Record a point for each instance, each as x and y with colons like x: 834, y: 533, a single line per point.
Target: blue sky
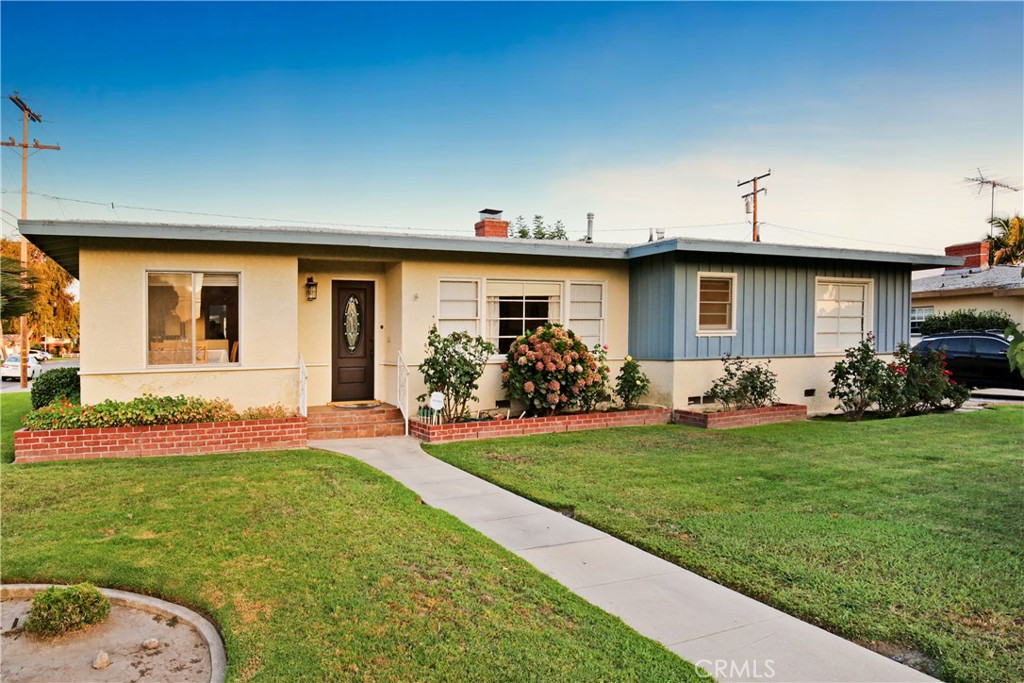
x: 417, y: 115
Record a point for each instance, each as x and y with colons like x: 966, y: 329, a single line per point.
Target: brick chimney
x: 491, y: 225
x: 975, y: 254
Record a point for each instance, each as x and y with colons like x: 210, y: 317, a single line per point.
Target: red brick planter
x: 730, y: 419
x: 183, y: 439
x: 491, y: 429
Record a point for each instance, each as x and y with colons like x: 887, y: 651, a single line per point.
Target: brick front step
x: 181, y: 439
x: 336, y: 417
x: 491, y: 429
x: 732, y: 419
x: 357, y: 431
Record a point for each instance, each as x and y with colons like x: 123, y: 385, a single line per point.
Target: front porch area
x: 344, y: 422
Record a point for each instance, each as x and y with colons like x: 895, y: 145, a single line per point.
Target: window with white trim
x: 841, y: 314
x: 192, y: 318
x: 459, y: 307
x: 586, y: 311
x: 513, y: 307
x: 716, y: 303
x: 917, y: 316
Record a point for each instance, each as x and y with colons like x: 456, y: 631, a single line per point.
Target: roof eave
x: 916, y: 261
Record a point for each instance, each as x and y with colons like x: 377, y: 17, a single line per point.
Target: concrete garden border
x: 42, y: 445
x: 206, y: 630
x: 492, y: 429
x: 731, y: 419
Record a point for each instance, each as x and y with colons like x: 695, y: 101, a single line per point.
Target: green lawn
x: 314, y: 567
x: 906, y: 532
x: 12, y: 407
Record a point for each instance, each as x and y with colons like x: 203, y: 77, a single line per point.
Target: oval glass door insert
x: 352, y: 322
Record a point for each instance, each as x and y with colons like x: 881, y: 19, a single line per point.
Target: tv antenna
x: 981, y: 181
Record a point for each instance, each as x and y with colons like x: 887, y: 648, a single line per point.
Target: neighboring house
x: 231, y: 312
x: 974, y: 284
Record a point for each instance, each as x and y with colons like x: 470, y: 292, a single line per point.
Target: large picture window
x: 515, y: 307
x: 192, y: 318
x: 716, y: 306
x: 842, y: 309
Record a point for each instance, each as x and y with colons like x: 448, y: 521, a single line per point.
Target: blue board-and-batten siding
x: 775, y: 305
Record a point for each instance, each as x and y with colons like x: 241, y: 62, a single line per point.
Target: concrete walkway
x: 734, y: 637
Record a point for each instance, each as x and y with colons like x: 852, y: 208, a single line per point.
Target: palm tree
x: 1008, y: 246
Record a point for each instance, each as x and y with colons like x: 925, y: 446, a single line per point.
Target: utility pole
x: 27, y: 114
x: 751, y: 198
x: 982, y: 181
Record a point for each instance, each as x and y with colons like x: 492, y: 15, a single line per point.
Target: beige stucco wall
x: 673, y: 382
x: 420, y: 304
x: 1012, y: 305
x: 113, y: 327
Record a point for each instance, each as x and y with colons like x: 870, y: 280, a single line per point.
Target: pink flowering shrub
x: 551, y: 370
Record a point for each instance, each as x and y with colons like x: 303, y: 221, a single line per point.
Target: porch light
x: 310, y: 289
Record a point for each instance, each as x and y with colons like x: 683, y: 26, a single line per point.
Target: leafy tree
x: 55, y: 310
x: 538, y: 230
x: 15, y: 299
x: 1007, y: 248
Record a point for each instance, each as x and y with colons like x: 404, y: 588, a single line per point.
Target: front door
x: 352, y: 345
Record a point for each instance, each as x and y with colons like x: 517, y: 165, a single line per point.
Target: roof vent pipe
x: 660, y: 232
x: 590, y: 227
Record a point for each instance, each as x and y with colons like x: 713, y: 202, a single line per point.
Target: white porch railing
x: 403, y: 389
x: 303, y: 377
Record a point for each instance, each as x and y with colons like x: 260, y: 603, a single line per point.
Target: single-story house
x: 306, y: 316
x: 972, y: 284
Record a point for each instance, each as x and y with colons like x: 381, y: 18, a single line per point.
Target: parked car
x: 976, y: 359
x: 40, y: 354
x: 11, y: 369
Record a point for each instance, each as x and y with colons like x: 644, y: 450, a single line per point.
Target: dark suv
x: 977, y: 359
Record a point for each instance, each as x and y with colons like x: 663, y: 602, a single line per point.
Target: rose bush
x: 552, y: 370
x: 631, y: 384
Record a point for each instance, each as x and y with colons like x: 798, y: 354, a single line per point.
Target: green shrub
x: 453, y: 365
x: 145, y: 410
x: 60, y: 383
x: 969, y: 319
x: 857, y: 381
x: 271, y: 412
x: 551, y: 370
x: 631, y: 384
x: 59, y: 610
x: 744, y: 385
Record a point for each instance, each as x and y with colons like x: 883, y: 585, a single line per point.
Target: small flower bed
x: 744, y: 385
x: 145, y: 410
x: 551, y: 370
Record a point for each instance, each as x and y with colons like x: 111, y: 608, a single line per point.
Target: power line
x: 838, y: 237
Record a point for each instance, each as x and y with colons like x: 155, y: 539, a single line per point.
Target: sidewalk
x: 734, y: 637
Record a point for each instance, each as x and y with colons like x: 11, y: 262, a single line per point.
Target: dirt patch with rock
x: 138, y: 646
